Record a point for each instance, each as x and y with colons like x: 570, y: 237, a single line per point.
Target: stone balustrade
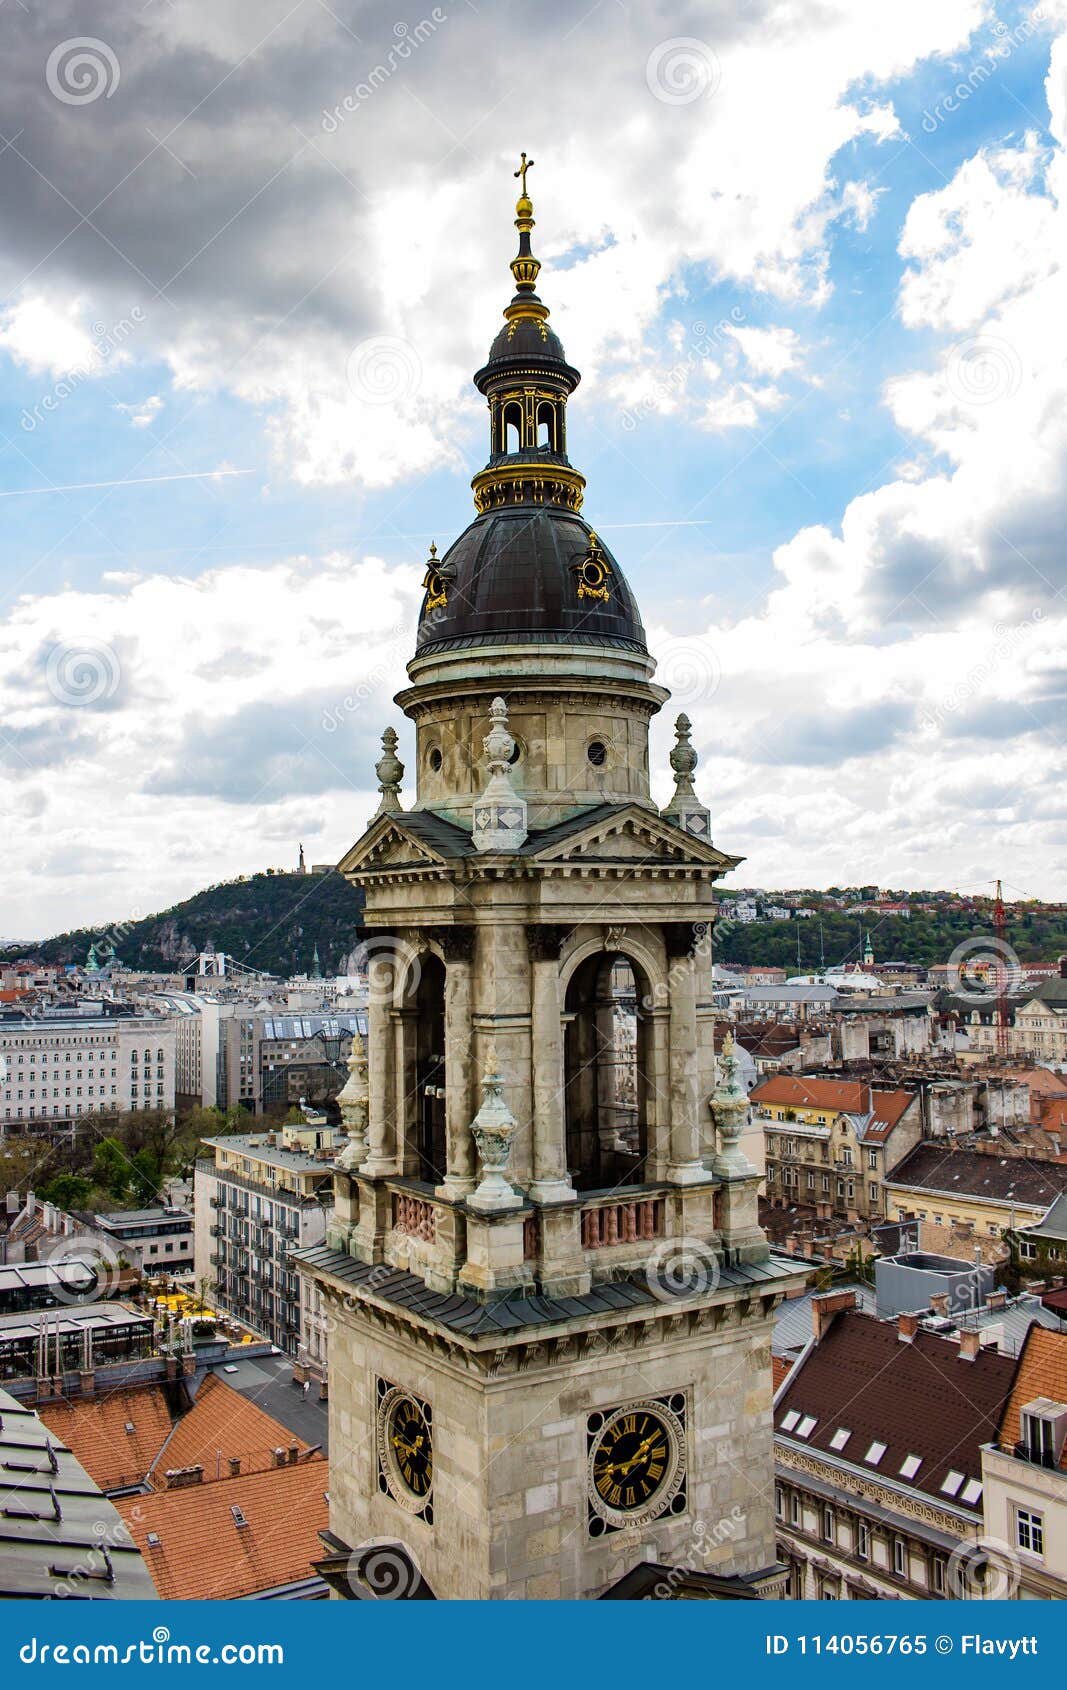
x: 628, y: 1221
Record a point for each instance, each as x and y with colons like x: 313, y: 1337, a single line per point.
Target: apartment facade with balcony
x: 257, y: 1197
x: 831, y: 1143
x: 1024, y: 1473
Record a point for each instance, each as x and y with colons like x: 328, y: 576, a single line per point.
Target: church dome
x: 530, y: 573
x: 528, y: 568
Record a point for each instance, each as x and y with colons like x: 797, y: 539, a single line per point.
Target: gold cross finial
x: 527, y: 164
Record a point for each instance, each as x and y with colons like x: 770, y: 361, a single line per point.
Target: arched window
x: 512, y: 427
x: 606, y: 1068
x: 546, y: 425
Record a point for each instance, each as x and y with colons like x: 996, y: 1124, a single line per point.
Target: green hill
x: 267, y: 921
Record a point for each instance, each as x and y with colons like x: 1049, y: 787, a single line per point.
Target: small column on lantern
x: 493, y: 1130
x: 685, y: 809
x: 499, y: 814
x: 354, y: 1105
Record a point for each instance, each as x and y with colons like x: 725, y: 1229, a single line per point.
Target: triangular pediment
x: 630, y: 833
x: 387, y: 843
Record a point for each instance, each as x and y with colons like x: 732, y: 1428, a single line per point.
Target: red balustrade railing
x: 622, y: 1223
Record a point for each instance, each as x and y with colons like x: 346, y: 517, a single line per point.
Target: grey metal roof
x: 1053, y: 1224
x: 59, y: 1535
x: 452, y: 841
x: 511, y: 1314
x: 76, y: 1274
x: 253, y: 1146
x: 70, y: 1320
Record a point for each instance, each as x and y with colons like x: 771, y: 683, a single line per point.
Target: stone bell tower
x: 551, y: 1299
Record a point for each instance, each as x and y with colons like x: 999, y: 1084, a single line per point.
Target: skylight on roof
x: 806, y: 1427
x: 952, y: 1481
x: 790, y: 1420
x: 910, y: 1466
x: 875, y: 1453
x: 972, y: 1492
x: 840, y: 1438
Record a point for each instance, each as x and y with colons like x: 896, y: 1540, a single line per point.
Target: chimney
x: 31, y: 1202
x: 294, y: 1454
x: 278, y: 1457
x: 12, y: 1203
x: 87, y: 1382
x: 235, y: 1465
x: 907, y: 1326
x: 1063, y: 967
x: 939, y: 1303
x: 824, y: 1308
x: 178, y: 1477
x: 997, y: 1299
x: 970, y: 1344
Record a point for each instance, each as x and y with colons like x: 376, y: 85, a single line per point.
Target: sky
x: 808, y: 256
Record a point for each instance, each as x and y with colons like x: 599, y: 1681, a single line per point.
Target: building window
x: 1030, y: 1531
x: 828, y: 1525
x: 872, y: 1158
x: 795, y: 1516
x: 900, y: 1557
x: 872, y: 1191
x: 938, y: 1576
x: 863, y: 1541
x: 1027, y: 1250
x: 779, y: 1503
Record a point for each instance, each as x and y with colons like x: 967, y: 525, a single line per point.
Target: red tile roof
x: 1042, y: 1372
x: 220, y: 1425
x: 919, y: 1398
x: 94, y: 1428
x: 797, y: 1091
x: 203, y: 1553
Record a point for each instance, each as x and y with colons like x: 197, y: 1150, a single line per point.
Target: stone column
x: 685, y: 1166
x: 551, y: 1180
x: 457, y: 944
x: 381, y: 1157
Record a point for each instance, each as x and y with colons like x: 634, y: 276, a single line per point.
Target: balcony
x: 1035, y: 1457
x: 414, y: 1216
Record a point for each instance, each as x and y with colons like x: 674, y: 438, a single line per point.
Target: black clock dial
x: 410, y: 1446
x: 633, y: 1460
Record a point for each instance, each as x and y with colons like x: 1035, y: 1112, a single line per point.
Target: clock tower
x: 550, y: 1301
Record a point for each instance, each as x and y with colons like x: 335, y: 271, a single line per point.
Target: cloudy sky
x: 809, y: 257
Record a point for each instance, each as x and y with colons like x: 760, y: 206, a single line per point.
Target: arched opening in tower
x: 606, y: 1074
x: 428, y: 1008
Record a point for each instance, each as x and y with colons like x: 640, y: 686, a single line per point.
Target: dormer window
x: 1043, y: 1425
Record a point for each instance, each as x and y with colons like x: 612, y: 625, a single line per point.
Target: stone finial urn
x: 499, y: 814
x: 730, y: 1112
x: 493, y: 1128
x: 353, y: 1101
x: 390, y: 772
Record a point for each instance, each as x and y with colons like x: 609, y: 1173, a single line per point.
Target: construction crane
x: 1003, y: 1043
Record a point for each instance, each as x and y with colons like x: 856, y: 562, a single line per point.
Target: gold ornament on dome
x: 433, y: 582
x: 591, y: 573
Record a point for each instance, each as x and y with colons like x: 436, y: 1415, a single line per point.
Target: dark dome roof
x: 514, y: 581
x: 527, y: 343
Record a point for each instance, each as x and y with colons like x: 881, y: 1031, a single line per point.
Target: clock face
x: 405, y: 1448
x: 636, y: 1462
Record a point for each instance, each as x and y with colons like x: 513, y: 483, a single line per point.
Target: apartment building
x: 879, y: 1434
x: 830, y: 1143
x: 59, y: 1064
x: 257, y: 1197
x: 1024, y: 1472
